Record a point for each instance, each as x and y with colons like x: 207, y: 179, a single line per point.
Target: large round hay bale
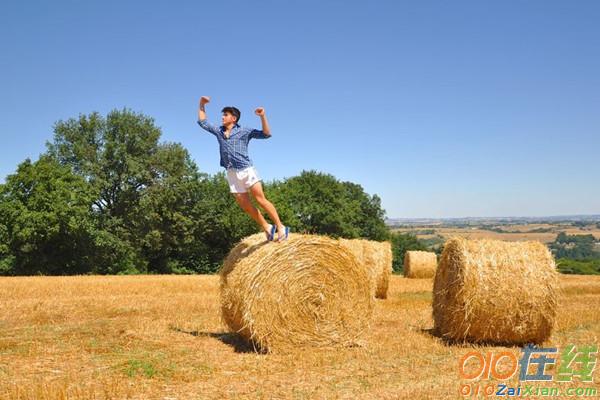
x: 420, y: 264
x: 306, y: 291
x: 495, y: 292
x: 376, y: 259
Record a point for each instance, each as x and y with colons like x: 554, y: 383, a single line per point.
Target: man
x: 241, y: 174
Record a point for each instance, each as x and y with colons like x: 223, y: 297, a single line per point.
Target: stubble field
x: 160, y: 337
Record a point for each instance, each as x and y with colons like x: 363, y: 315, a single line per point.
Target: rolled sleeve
x: 258, y: 134
x: 207, y: 126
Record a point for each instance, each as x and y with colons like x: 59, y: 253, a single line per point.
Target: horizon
x: 541, y: 217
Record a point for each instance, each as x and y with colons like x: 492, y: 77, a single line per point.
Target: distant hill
x: 492, y: 220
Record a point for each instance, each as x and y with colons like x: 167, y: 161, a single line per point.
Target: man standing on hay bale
x: 241, y: 174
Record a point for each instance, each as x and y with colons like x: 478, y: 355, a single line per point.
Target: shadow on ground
x: 469, y: 344
x: 232, y: 339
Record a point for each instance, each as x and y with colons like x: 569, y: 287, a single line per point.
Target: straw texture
x: 376, y: 259
x: 382, y: 258
x: 420, y: 264
x: 306, y: 291
x: 494, y: 291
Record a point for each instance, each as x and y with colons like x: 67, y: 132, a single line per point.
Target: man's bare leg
x: 257, y: 192
x: 243, y: 199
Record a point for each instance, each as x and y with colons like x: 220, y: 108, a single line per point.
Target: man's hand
x: 201, y: 112
x: 204, y: 100
x: 263, y: 118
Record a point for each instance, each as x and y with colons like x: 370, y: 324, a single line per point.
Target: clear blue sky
x: 442, y: 108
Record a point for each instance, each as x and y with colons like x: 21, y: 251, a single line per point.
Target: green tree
x: 580, y: 267
x: 369, y: 215
x: 315, y: 202
x: 47, y: 223
x: 114, y: 154
x: 163, y: 223
x: 401, y: 243
x: 143, y: 189
x: 6, y: 257
x: 118, y: 201
x: 562, y: 237
x: 221, y: 223
x: 575, y: 247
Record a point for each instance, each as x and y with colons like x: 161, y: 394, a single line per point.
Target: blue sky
x: 443, y: 109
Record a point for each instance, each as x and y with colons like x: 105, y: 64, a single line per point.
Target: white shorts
x: 240, y: 181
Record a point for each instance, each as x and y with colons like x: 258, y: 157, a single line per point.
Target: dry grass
x: 160, y: 337
x: 544, y: 237
x: 524, y: 232
x: 306, y: 291
x: 583, y: 231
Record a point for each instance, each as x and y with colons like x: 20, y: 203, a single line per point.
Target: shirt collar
x: 235, y: 126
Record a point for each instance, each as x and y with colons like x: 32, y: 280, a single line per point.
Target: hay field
x: 513, y: 233
x: 160, y: 337
x: 477, y: 233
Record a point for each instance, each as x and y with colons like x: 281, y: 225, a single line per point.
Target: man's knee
x: 239, y: 197
x: 243, y: 200
x: 262, y: 200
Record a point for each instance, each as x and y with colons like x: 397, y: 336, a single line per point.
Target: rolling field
x: 510, y: 232
x: 160, y: 337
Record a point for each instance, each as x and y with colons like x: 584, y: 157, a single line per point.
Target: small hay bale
x: 489, y: 291
x: 376, y: 258
x: 306, y: 291
x: 420, y: 264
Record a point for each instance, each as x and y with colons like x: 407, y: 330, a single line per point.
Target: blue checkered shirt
x: 234, y: 150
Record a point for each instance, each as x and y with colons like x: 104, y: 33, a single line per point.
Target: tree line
x: 576, y: 254
x: 108, y: 197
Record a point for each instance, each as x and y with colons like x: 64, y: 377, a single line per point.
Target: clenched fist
x: 204, y: 100
x: 259, y: 111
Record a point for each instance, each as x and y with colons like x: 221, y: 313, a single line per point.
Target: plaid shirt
x: 234, y: 150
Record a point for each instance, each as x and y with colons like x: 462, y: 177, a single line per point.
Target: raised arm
x: 263, y: 119
x: 202, y: 121
x: 201, y: 111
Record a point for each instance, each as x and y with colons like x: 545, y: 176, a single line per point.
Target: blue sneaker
x: 283, y: 237
x: 271, y: 235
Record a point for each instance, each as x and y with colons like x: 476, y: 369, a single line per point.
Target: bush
x: 580, y: 267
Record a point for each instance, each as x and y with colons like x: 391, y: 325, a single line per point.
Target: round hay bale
x: 489, y: 291
x: 420, y: 264
x: 381, y: 254
x: 376, y: 259
x: 306, y: 291
x: 364, y: 260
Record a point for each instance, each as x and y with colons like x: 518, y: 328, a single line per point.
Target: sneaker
x: 284, y: 237
x: 271, y: 235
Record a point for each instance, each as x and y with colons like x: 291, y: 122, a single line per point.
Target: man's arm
x: 263, y: 119
x: 202, y: 121
x: 201, y: 111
